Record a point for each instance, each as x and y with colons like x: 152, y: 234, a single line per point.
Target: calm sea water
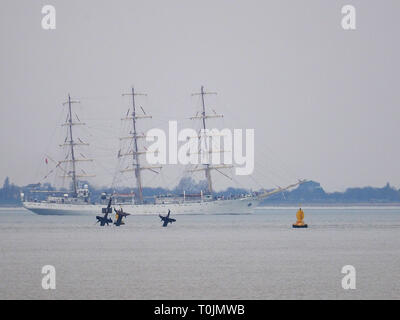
x: 255, y: 256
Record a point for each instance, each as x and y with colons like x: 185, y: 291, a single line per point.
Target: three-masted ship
x: 77, y: 202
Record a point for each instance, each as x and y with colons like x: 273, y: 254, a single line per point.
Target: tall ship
x: 77, y: 200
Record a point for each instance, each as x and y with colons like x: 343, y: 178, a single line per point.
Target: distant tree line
x: 307, y: 193
x: 312, y: 192
x: 9, y: 194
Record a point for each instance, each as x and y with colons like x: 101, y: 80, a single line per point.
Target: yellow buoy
x: 300, y: 220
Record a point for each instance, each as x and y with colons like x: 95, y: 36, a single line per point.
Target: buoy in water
x: 300, y: 220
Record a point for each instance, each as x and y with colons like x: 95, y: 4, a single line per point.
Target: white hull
x: 237, y: 206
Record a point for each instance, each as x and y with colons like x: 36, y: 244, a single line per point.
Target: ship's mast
x: 207, y: 167
x: 137, y: 168
x: 71, y: 143
x: 136, y: 161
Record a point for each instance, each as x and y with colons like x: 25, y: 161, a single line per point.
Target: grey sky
x: 324, y: 102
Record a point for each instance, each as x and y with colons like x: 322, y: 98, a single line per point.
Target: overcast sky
x: 324, y: 102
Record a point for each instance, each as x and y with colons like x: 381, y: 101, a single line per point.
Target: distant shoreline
x: 10, y: 206
x: 290, y: 205
x: 330, y: 205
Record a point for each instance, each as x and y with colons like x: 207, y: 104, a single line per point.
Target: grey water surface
x: 256, y: 256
